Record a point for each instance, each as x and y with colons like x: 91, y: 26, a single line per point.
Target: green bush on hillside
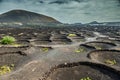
x: 7, y: 40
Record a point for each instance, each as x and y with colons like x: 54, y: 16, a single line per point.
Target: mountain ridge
x: 24, y: 16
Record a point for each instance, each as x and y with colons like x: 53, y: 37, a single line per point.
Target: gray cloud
x: 68, y: 11
x: 65, y: 1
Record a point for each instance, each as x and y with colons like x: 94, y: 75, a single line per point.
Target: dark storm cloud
x: 1, y: 0
x: 65, y: 1
x: 68, y: 10
x: 58, y: 2
x: 119, y: 0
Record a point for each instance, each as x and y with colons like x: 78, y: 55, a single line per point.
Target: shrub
x: 98, y: 47
x: 86, y: 78
x: 6, y: 69
x: 79, y: 50
x: 8, y: 40
x: 110, y: 62
x: 72, y: 35
x: 45, y: 49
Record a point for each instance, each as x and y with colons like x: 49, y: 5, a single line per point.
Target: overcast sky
x: 69, y: 11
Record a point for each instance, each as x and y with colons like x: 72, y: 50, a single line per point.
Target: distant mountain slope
x: 26, y: 17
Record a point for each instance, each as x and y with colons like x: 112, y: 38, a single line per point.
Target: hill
x: 24, y: 17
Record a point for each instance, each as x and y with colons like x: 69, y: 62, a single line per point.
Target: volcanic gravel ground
x: 50, y: 54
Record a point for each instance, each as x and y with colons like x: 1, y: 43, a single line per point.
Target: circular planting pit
x: 60, y: 39
x: 88, y: 34
x: 83, y: 71
x: 15, y: 58
x: 116, y: 41
x: 108, y: 57
x: 101, y: 45
x: 40, y: 42
x: 58, y: 36
x: 76, y: 37
x: 44, y: 36
x: 25, y: 37
x: 87, y: 47
x: 23, y: 42
x: 41, y: 39
x: 36, y: 50
x: 81, y: 49
x: 13, y: 49
x: 43, y: 49
x: 106, y: 39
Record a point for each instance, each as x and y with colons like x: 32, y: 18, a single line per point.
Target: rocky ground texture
x: 81, y: 53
